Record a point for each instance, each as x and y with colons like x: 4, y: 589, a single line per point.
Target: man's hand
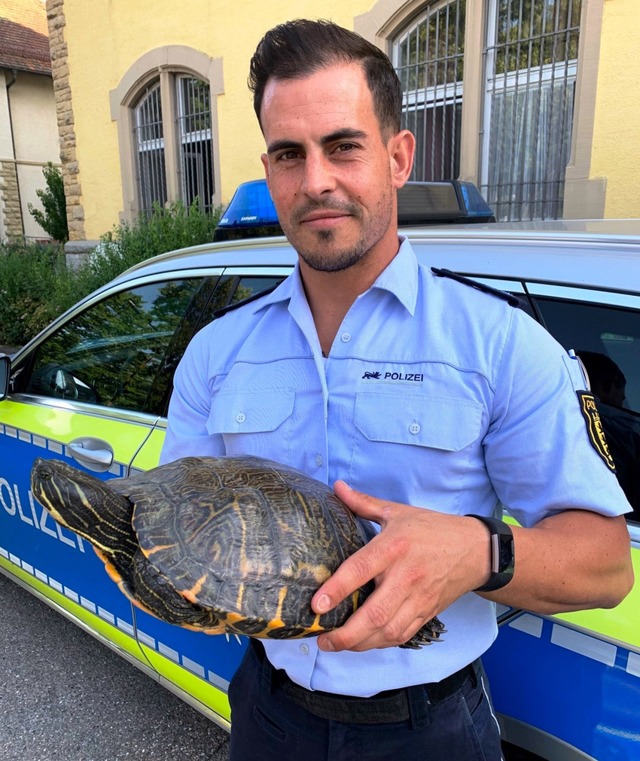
x: 421, y: 562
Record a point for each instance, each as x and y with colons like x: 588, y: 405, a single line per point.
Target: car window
x: 214, y: 294
x: 607, y: 339
x: 109, y: 353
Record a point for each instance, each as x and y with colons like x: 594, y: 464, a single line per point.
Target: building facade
x: 28, y: 130
x: 527, y: 99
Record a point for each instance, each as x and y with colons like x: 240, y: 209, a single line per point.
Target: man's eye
x: 288, y: 155
x: 345, y: 147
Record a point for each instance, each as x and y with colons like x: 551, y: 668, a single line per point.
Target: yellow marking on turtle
x: 61, y: 519
x: 240, y: 596
x: 192, y: 594
x: 314, y: 627
x: 275, y: 622
x: 158, y: 548
x: 320, y: 573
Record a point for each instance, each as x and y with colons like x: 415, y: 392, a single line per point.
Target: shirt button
x: 345, y: 338
x: 240, y: 417
x: 304, y: 649
x: 318, y: 460
x: 414, y: 428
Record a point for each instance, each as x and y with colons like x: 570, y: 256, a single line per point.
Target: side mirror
x: 5, y: 374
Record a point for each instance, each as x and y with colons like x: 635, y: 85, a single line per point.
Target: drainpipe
x: 14, y: 77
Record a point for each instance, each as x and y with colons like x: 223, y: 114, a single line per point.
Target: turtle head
x: 69, y: 494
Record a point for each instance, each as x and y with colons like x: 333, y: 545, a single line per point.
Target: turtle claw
x: 228, y: 638
x: 429, y: 633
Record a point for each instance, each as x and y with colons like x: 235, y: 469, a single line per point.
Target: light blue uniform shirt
x: 434, y: 394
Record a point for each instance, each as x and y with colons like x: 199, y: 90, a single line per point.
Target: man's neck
x: 331, y: 294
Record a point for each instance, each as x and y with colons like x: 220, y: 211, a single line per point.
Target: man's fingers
x: 361, y: 567
x: 374, y: 625
x: 363, y: 505
x: 352, y: 574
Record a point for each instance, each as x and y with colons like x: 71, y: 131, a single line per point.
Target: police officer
x: 430, y: 404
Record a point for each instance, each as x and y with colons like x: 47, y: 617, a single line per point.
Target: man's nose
x: 319, y: 175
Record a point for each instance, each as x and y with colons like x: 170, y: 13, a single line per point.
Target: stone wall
x: 10, y: 194
x: 64, y: 110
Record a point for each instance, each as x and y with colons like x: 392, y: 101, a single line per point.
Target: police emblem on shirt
x: 590, y: 413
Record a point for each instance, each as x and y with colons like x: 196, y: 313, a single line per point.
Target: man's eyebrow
x: 283, y: 145
x: 343, y: 134
x: 333, y: 137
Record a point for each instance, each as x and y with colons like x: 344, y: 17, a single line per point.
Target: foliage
x: 31, y: 279
x: 36, y: 285
x: 53, y: 220
x: 165, y: 229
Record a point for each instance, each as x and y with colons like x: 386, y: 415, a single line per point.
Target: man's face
x: 332, y: 173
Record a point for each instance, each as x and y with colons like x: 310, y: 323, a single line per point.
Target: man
x: 432, y: 400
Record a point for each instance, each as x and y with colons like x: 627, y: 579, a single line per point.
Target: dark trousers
x: 267, y: 724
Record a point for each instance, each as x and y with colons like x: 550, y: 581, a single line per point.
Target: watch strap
x: 502, y: 553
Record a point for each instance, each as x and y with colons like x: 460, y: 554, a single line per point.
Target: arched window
x: 167, y: 130
x: 428, y: 56
x: 149, y: 145
x: 194, y: 137
x: 490, y: 93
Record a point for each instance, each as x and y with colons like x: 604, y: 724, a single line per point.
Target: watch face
x: 505, y: 553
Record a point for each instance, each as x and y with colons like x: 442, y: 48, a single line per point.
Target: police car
x: 93, y: 389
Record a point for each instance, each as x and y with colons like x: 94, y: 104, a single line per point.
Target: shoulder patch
x: 590, y: 413
x: 508, y: 297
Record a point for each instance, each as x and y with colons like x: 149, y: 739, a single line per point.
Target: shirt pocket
x: 257, y: 423
x: 435, y: 422
x: 417, y: 448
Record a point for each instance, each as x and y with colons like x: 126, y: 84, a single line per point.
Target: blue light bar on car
x: 251, y: 213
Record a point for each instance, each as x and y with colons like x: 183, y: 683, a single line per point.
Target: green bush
x: 29, y: 277
x: 36, y: 285
x: 53, y: 218
x: 165, y: 229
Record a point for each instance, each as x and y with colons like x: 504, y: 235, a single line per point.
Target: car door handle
x: 94, y: 454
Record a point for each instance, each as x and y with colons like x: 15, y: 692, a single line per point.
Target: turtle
x: 232, y: 544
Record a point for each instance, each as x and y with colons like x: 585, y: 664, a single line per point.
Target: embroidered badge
x: 590, y: 413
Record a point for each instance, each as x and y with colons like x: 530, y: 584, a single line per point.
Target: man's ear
x: 402, y: 148
x: 265, y: 163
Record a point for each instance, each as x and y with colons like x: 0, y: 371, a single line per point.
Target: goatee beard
x: 337, y: 261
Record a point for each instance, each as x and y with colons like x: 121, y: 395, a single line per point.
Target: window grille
x: 194, y: 131
x: 428, y: 57
x: 184, y: 131
x: 531, y: 63
x: 149, y: 142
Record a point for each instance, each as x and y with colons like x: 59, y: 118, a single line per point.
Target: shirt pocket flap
x: 418, y: 419
x: 250, y: 412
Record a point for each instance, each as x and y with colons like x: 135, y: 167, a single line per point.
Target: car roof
x: 560, y: 251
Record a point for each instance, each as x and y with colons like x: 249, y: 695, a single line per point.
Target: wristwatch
x: 502, y: 553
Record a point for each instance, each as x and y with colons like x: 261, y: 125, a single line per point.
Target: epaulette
x: 237, y: 304
x: 508, y: 297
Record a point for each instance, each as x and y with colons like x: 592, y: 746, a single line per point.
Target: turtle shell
x: 246, y: 540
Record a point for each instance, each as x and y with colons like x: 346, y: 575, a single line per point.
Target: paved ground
x: 66, y: 697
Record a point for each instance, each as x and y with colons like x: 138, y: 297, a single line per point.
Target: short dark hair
x: 299, y: 48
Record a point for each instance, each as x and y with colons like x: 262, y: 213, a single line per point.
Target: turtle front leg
x: 156, y: 595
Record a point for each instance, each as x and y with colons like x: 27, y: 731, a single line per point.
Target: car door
x: 89, y: 391
x: 575, y: 678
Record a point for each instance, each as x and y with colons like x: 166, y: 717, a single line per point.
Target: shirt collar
x: 399, y: 278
